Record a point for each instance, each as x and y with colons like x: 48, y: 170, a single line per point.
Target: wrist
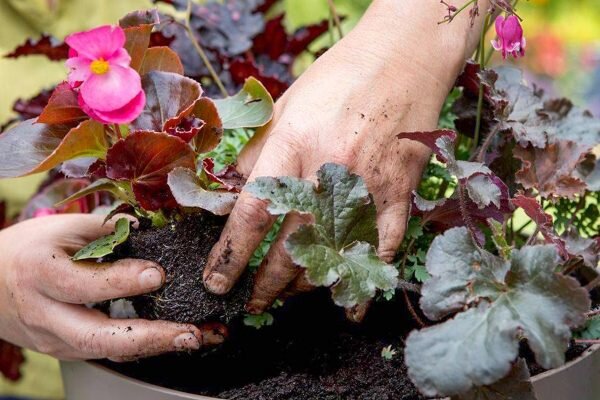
x: 405, y: 36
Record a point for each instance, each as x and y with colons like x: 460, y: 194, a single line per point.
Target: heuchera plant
x: 503, y: 235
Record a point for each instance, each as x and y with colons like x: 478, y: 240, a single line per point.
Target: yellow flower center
x: 99, y: 66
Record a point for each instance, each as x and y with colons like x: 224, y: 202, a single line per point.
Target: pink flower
x: 510, y: 37
x: 110, y: 91
x: 44, y: 212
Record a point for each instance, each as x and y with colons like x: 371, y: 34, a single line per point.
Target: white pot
x: 577, y: 380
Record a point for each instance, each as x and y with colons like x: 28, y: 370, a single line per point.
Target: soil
x: 182, y: 249
x: 311, y: 352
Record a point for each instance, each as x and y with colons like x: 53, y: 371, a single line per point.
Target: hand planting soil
x: 181, y: 249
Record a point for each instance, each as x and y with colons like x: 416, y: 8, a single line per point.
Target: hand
x: 42, y: 293
x: 346, y: 108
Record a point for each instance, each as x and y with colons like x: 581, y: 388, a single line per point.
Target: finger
x: 88, y: 282
x: 392, y: 222
x: 90, y: 334
x: 277, y: 269
x: 247, y: 225
x: 298, y: 286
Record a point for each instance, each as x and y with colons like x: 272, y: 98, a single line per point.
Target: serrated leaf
x: 188, y: 191
x: 505, y: 300
x: 259, y: 321
x: 514, y: 386
x: 483, y: 191
x: 106, y: 244
x: 339, y: 248
x: 591, y: 330
x: 250, y: 108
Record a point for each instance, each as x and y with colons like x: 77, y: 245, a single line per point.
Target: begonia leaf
x: 62, y: 107
x: 189, y: 192
x: 161, y: 59
x: 168, y: 95
x: 250, y: 108
x: 48, y: 198
x: 145, y: 159
x: 210, y: 135
x: 11, y: 359
x: 229, y: 178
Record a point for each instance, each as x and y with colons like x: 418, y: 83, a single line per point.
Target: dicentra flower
x: 110, y: 91
x: 510, y: 36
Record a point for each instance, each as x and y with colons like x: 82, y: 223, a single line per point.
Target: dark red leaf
x: 3, y: 216
x: 534, y: 210
x: 243, y: 68
x: 168, y: 96
x: 11, y: 359
x: 140, y: 17
x: 210, y: 135
x: 145, y: 159
x: 46, y: 45
x: 229, y: 178
x: 62, y: 107
x: 33, y: 107
x: 185, y: 128
x: 430, y: 139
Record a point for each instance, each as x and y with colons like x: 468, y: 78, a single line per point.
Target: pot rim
x: 587, y: 353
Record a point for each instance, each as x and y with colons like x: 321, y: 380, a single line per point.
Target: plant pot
x: 578, y: 379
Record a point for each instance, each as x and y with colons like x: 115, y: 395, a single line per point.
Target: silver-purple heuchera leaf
x: 504, y: 301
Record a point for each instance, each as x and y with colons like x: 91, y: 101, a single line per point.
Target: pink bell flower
x: 510, y: 37
x: 110, y: 91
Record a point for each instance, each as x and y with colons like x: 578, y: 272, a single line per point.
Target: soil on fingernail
x: 182, y: 250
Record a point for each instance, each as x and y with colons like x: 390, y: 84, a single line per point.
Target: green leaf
x: 591, y: 330
x: 250, y: 108
x: 121, y: 190
x: 388, y: 352
x: 515, y: 386
x: 499, y: 238
x: 258, y: 321
x: 105, y: 245
x: 338, y: 250
x: 188, y: 191
x: 504, y: 301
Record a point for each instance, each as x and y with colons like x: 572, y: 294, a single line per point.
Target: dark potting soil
x: 310, y: 353
x: 182, y: 249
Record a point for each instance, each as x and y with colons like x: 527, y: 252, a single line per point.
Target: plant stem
x: 593, y: 284
x: 486, y: 144
x: 200, y: 51
x: 450, y: 18
x: 481, y: 90
x: 411, y: 309
x: 587, y: 341
x: 593, y: 313
x: 118, y: 131
x: 336, y: 18
x: 405, y: 257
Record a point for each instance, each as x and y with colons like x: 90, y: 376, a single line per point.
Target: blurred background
x: 563, y: 57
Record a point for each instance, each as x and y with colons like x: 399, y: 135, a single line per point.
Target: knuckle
x: 92, y: 342
x: 253, y: 212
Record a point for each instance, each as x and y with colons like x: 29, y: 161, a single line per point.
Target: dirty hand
x: 391, y: 74
x: 43, y: 292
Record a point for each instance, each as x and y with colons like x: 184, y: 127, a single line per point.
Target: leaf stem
x: 118, y: 131
x: 587, y: 341
x: 593, y: 284
x: 462, y: 202
x: 455, y: 13
x: 201, y: 52
x: 405, y: 257
x: 411, y: 309
x: 336, y: 18
x: 481, y: 90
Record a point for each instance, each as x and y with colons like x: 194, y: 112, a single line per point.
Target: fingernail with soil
x: 186, y: 341
x: 151, y: 278
x: 217, y: 283
x: 256, y: 306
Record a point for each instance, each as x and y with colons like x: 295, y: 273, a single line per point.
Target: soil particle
x: 182, y: 250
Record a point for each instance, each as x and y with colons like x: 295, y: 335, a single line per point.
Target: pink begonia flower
x: 110, y: 91
x: 510, y: 37
x: 44, y: 212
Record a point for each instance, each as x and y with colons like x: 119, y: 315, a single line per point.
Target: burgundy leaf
x: 185, y: 128
x: 430, y: 139
x: 229, y: 177
x: 33, y: 107
x: 243, y: 68
x: 210, y: 135
x: 43, y: 203
x: 63, y: 107
x: 145, y: 159
x: 168, y: 96
x: 3, y: 216
x: 48, y: 46
x: 11, y: 359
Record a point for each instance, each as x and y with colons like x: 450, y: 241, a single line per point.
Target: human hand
x: 346, y: 108
x: 42, y: 293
